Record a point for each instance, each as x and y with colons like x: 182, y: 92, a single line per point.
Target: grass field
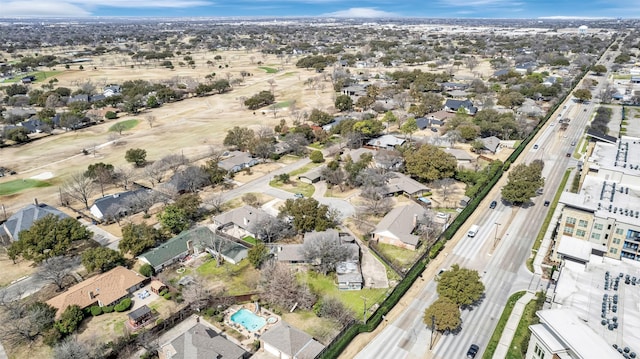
x: 352, y: 299
x: 294, y: 187
x: 497, y: 333
x: 18, y: 185
x: 40, y: 76
x: 269, y: 70
x: 520, y: 341
x: 238, y: 279
x: 401, y: 256
x: 128, y: 124
x: 283, y: 104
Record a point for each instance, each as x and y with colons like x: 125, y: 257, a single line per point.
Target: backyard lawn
x: 238, y: 278
x: 18, y: 185
x: 403, y: 257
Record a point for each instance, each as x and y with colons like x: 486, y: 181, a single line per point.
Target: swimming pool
x: 247, y: 319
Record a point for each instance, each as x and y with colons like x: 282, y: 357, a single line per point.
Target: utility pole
x: 433, y: 329
x: 364, y: 311
x: 495, y: 241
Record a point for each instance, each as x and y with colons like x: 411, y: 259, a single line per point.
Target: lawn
x: 353, y: 299
x: 547, y: 219
x: 238, y: 278
x: 520, y: 341
x: 269, y: 70
x: 303, y: 169
x: 497, y: 333
x: 18, y: 185
x: 128, y: 124
x: 283, y: 104
x: 250, y: 240
x: 403, y: 257
x: 294, y: 187
x: 40, y: 76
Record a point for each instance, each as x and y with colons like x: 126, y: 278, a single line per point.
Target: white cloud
x: 361, y: 12
x: 75, y: 8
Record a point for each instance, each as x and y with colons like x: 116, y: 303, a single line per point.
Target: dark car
x: 546, y: 203
x: 493, y: 204
x: 473, y: 350
x: 568, y: 154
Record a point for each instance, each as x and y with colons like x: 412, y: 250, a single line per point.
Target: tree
x: 101, y: 173
x: 221, y: 86
x: 262, y: 99
x: 325, y: 252
x: 281, y: 288
x: 461, y: 285
x: 330, y: 307
x: 376, y: 201
x: 150, y: 120
x: 239, y: 137
x: 599, y: 69
x: 409, y: 127
x: 70, y: 320
x: 147, y: 270
x: 271, y: 229
x: 137, y: 238
x: 319, y: 117
x: 137, y: 156
x: 190, y: 204
x: 523, y: 182
x: 215, y: 173
x: 102, y: 259
x: 49, y: 237
x: 55, y: 270
x: 389, y: 117
x: 582, y: 95
x: 316, y: 156
x: 18, y: 135
x: 430, y: 163
x: 344, y: 103
x: 25, y: 322
x: 174, y: 219
x: 258, y: 254
x: 477, y: 146
x: 308, y: 214
x: 79, y: 187
x: 442, y: 315
x: 152, y: 102
x: 118, y: 127
x: 72, y: 347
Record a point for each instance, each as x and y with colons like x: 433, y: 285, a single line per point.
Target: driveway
x: 149, y: 298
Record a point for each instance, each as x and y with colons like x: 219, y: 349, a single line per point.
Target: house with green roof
x: 193, y: 242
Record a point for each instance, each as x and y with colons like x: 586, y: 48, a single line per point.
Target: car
x: 535, y: 147
x: 433, y: 129
x: 493, y: 204
x: 568, y: 154
x: 298, y: 195
x: 573, y: 143
x: 546, y: 203
x: 473, y: 351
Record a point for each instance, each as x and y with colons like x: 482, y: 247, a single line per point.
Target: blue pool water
x: 247, y: 319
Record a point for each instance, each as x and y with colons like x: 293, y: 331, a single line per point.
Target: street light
x: 364, y: 311
x: 433, y: 329
x: 495, y: 240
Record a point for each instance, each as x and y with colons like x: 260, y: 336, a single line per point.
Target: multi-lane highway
x: 498, y: 252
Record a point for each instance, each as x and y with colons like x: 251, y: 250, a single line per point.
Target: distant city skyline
x: 327, y: 8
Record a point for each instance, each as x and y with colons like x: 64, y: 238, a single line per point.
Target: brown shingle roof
x: 105, y: 289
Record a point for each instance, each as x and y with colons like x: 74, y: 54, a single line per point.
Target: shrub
x: 147, y: 270
x: 163, y: 292
x: 96, y: 310
x: 123, y: 305
x: 167, y: 296
x: 316, y: 157
x: 107, y: 309
x: 110, y: 115
x: 436, y: 249
x: 209, y: 312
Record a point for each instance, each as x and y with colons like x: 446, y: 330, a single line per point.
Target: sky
x: 325, y: 8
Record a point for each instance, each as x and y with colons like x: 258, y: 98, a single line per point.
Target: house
x: 451, y: 86
x: 289, y: 253
x: 465, y: 105
x: 388, y: 159
x: 139, y: 316
x: 239, y: 222
x: 356, y: 155
x: 526, y: 67
x: 111, y: 90
x: 462, y: 157
x: 491, y: 144
x: 105, y: 289
x: 312, y: 176
x: 24, y: 218
x: 78, y: 98
x: 120, y: 204
x: 229, y: 250
x: 237, y: 161
x: 396, y: 228
x: 285, y: 341
x: 349, y: 276
x: 188, y: 242
x: 635, y: 79
x: 387, y: 142
x: 355, y: 90
x: 28, y: 79
x: 403, y: 184
x: 281, y: 148
x: 34, y: 125
x: 423, y: 123
x: 201, y: 342
x: 501, y: 72
x: 335, y: 122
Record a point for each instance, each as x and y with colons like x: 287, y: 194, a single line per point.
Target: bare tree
x: 270, y: 229
x: 72, y: 347
x: 56, y: 270
x: 141, y: 201
x: 151, y: 119
x: 471, y: 62
x: 445, y: 187
x: 172, y: 162
x: 125, y: 176
x: 25, y: 322
x: 214, y: 203
x: 375, y: 200
x: 155, y: 173
x: 281, y: 288
x: 196, y: 293
x: 79, y: 187
x: 324, y: 252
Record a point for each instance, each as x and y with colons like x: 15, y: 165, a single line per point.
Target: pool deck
x: 251, y: 336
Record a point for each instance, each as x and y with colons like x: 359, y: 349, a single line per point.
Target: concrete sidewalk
x: 512, y: 324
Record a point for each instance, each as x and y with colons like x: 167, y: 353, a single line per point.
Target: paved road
x: 502, y: 269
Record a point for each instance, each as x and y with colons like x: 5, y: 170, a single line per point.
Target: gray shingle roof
x: 177, y: 246
x: 121, y: 200
x: 406, y: 184
x: 243, y: 217
x: 399, y: 223
x: 201, y: 342
x: 291, y: 341
x: 24, y: 218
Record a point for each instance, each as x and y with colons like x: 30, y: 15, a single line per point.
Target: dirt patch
x: 257, y: 171
x: 11, y: 271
